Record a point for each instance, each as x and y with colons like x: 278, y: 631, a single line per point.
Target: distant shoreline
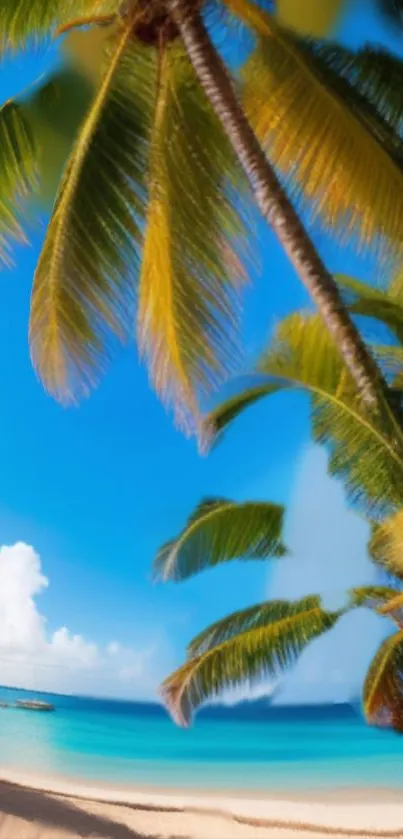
x: 364, y: 812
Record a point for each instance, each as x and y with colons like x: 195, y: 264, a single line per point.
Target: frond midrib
x: 73, y: 171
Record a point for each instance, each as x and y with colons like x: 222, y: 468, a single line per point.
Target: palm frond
x: 219, y: 531
x: 324, y: 119
x: 217, y: 420
x: 254, y: 617
x: 383, y: 688
x: 393, y: 606
x: 372, y: 597
x: 17, y: 172
x: 54, y: 112
x: 367, y: 301
x: 392, y: 11
x: 309, y: 17
x: 84, y: 284
x: 386, y: 544
x: 23, y: 20
x: 192, y: 262
x: 86, y: 49
x: 302, y: 356
x: 255, y: 653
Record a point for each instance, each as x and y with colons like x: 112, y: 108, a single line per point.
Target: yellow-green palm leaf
x: 150, y: 176
x: 386, y: 544
x: 36, y: 135
x: 325, y: 123
x: 54, y: 112
x: 372, y: 597
x: 22, y: 20
x: 191, y: 271
x: 266, y: 649
x: 310, y: 17
x: 219, y: 531
x: 303, y: 356
x: 17, y: 172
x: 84, y: 285
x: 370, y: 302
x: 383, y: 689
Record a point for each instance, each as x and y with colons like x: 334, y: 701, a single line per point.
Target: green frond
x: 36, y: 135
x: 192, y: 260
x: 254, y: 617
x: 383, y: 688
x: 262, y: 650
x: 54, y: 112
x: 325, y: 122
x: 309, y: 17
x: 217, y: 420
x: 302, y: 356
x: 367, y: 301
x: 386, y: 544
x: 86, y: 49
x: 23, y: 20
x: 219, y: 531
x: 84, y: 285
x: 17, y: 173
x: 372, y: 597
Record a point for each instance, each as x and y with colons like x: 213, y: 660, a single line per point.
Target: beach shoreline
x: 169, y: 813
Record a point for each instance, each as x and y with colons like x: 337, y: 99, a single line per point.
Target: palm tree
x: 265, y: 639
x: 152, y: 188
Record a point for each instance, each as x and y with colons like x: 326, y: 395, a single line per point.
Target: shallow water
x: 131, y: 743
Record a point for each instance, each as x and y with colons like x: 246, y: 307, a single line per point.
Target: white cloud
x: 328, y: 545
x: 32, y: 657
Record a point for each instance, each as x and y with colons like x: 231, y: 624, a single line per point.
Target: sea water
x: 137, y: 744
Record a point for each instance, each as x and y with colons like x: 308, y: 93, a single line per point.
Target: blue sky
x: 95, y: 490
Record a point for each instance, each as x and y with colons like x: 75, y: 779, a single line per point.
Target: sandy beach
x: 48, y: 808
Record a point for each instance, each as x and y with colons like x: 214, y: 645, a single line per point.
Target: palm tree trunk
x: 274, y: 203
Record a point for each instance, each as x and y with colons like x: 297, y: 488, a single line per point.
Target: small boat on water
x: 34, y: 705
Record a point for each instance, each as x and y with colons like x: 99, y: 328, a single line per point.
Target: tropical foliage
x: 266, y: 639
x: 151, y: 217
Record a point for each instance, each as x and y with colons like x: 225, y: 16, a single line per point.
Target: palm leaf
x: 372, y: 597
x: 36, y: 134
x: 302, y: 356
x: 54, y: 112
x: 367, y: 301
x: 310, y: 17
x: 254, y: 617
x: 383, y: 688
x: 255, y: 653
x: 86, y: 49
x: 219, y: 531
x: 324, y: 131
x: 192, y: 261
x: 22, y: 20
x: 386, y: 544
x: 17, y: 172
x: 85, y: 280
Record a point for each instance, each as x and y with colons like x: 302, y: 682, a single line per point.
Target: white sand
x: 48, y: 808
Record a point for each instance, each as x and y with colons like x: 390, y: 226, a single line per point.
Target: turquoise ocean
x: 249, y: 748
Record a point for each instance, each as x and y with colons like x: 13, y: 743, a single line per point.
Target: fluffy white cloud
x: 32, y: 657
x: 328, y: 542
